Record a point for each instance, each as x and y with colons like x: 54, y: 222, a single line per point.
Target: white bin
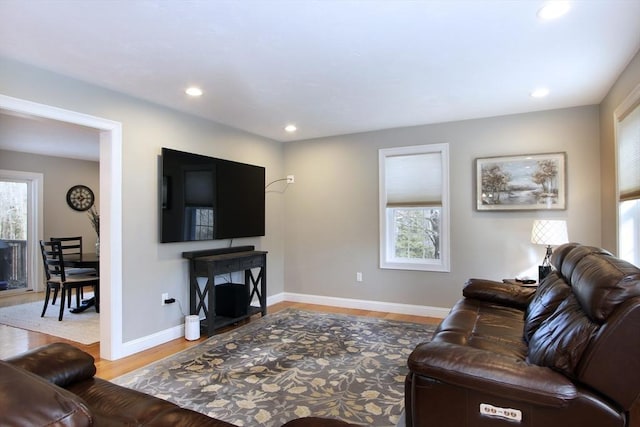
x: 192, y: 327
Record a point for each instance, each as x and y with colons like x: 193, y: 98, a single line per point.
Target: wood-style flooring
x: 15, y: 341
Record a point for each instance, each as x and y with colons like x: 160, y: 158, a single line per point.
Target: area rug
x: 291, y: 364
x: 83, y: 328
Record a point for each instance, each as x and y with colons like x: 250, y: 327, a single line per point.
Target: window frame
x: 35, y: 223
x: 387, y: 259
x: 627, y: 107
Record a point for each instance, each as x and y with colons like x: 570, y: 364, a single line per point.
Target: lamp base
x: 543, y: 271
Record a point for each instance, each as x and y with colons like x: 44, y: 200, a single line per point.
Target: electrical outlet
x: 359, y: 276
x: 164, y: 298
x: 291, y: 179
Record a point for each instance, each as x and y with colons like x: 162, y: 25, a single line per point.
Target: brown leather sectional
x: 54, y: 385
x: 566, y: 353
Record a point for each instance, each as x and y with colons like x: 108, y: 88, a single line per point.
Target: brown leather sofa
x: 565, y: 354
x: 54, y: 385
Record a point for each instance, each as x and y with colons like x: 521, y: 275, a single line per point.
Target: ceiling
x: 48, y: 137
x: 330, y: 67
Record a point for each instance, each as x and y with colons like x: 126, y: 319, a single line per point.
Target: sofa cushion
x: 561, y: 339
x: 550, y: 294
x: 28, y: 400
x: 485, y: 326
x: 569, y: 257
x: 117, y: 405
x: 561, y: 252
x: 602, y: 283
x: 506, y: 294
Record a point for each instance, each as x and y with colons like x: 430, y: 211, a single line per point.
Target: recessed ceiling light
x: 540, y: 92
x: 193, y: 91
x: 290, y: 128
x: 553, y: 9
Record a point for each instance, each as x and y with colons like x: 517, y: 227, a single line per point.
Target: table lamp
x: 548, y: 232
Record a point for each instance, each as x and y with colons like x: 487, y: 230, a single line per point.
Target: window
x: 627, y: 119
x: 414, y: 207
x: 199, y: 223
x: 20, y: 229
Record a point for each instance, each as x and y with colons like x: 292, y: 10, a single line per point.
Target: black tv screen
x: 206, y: 198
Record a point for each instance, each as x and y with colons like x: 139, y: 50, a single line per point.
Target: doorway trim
x: 111, y: 345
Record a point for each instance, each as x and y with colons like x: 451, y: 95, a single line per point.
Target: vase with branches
x: 94, y: 217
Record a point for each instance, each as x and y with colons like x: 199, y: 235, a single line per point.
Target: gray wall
x: 330, y: 230
x: 332, y: 210
x: 150, y: 268
x: 626, y: 82
x: 59, y: 174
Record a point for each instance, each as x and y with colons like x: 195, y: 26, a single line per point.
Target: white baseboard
x: 149, y: 341
x: 274, y: 299
x: 388, y: 307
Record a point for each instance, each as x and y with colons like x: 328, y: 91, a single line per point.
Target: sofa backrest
x: 585, y: 321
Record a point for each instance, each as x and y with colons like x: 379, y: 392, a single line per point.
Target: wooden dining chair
x: 73, y: 246
x: 58, y: 281
x: 70, y: 245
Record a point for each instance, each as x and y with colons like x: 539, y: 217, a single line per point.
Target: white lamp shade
x: 549, y: 232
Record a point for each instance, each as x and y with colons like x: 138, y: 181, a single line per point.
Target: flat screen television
x: 205, y: 198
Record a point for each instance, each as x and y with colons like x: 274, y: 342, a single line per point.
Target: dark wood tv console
x: 213, y: 262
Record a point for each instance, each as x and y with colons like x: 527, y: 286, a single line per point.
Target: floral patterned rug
x: 291, y: 364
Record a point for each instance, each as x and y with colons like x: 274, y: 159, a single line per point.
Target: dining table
x: 85, y: 260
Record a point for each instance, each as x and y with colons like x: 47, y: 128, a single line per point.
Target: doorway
x: 111, y: 345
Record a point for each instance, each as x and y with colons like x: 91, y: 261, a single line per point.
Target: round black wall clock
x: 80, y: 198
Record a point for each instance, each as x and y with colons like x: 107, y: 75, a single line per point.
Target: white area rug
x: 83, y: 328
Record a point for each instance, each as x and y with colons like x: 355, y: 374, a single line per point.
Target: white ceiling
x: 331, y: 67
x: 38, y: 135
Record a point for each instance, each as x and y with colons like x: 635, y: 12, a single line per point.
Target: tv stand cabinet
x: 213, y: 262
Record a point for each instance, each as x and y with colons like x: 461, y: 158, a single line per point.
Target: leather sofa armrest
x: 29, y: 400
x: 59, y: 363
x: 488, y: 372
x: 501, y: 293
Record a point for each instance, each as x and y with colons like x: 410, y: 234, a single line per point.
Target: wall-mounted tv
x: 205, y: 198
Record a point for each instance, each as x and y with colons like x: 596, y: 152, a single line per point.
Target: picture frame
x: 522, y: 182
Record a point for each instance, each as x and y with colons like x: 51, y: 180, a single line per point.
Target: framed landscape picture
x: 527, y: 182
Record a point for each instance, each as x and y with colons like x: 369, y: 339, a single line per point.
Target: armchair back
x: 593, y: 333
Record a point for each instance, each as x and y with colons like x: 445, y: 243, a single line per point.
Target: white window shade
x: 414, y: 207
x: 402, y: 187
x: 629, y: 156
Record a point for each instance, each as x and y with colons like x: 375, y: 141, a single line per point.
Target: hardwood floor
x: 15, y: 341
